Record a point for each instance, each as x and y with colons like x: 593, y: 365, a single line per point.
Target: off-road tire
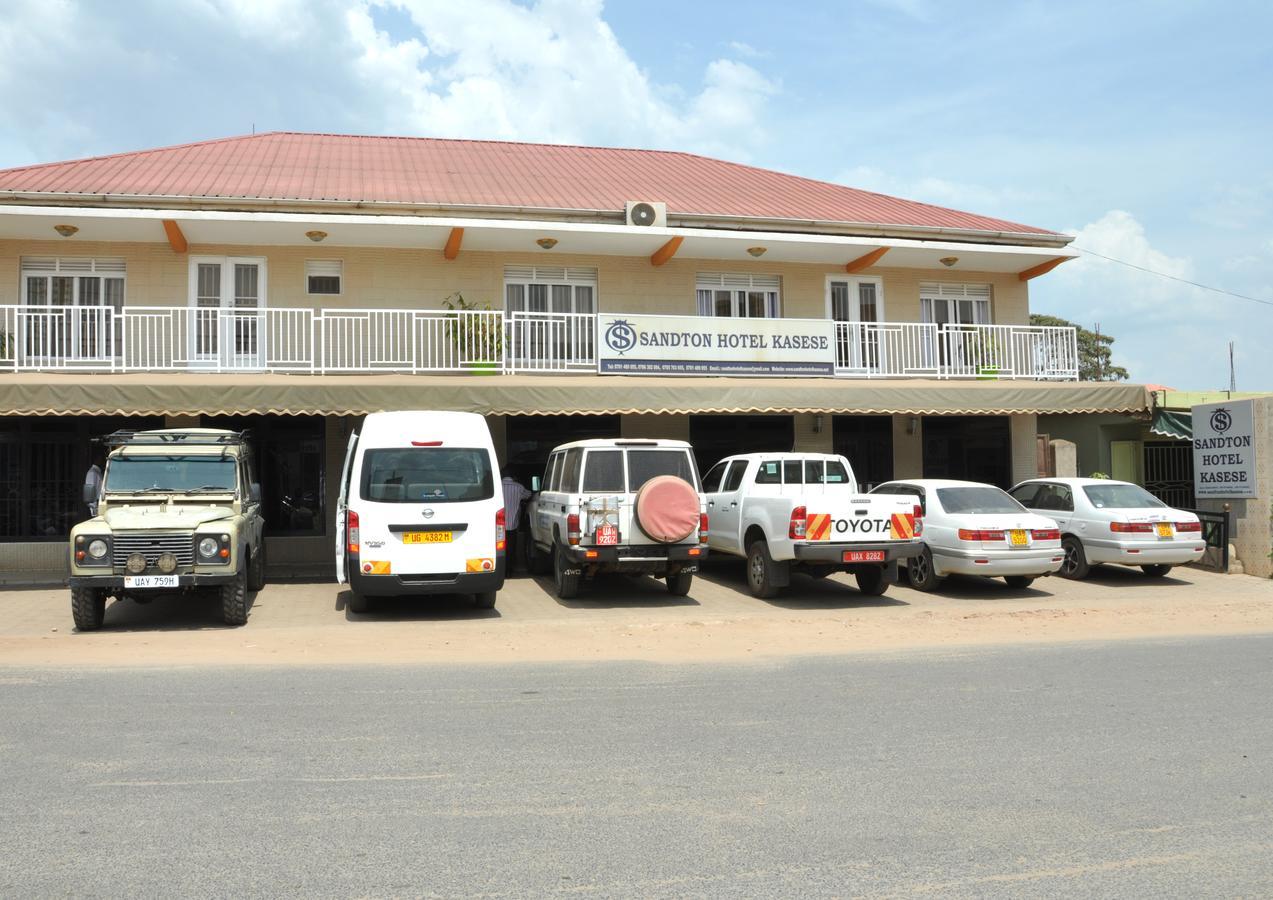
x: 88, y: 608
x: 484, y: 600
x: 920, y: 572
x: 234, y: 599
x: 567, y: 584
x: 1019, y: 582
x: 256, y: 568
x: 678, y: 585
x: 871, y: 581
x: 761, y: 570
x: 1075, y: 565
x: 357, y: 603
x: 1157, y: 570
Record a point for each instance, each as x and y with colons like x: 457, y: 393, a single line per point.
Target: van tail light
x: 572, y: 528
x: 501, y: 531
x: 979, y: 534
x: 351, y: 530
x: 799, y: 525
x: 1046, y: 534
x: 702, y: 528
x: 1131, y: 527
x: 1189, y: 526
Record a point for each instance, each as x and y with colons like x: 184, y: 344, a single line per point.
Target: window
x: 712, y: 480
x: 1122, y: 496
x: 792, y: 472
x: 976, y: 501
x: 551, y: 472
x: 428, y: 474
x: 646, y: 464
x: 738, y: 296
x: 603, y: 471
x: 770, y: 472
x: 90, y: 296
x: 550, y: 289
x: 1025, y: 493
x: 568, y: 478
x: 954, y: 304
x: 323, y: 276
x: 1054, y: 497
x: 734, y: 480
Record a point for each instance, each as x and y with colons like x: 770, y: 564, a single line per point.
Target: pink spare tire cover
x: 667, y: 509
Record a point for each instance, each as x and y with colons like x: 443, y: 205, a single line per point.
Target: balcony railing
x: 318, y: 341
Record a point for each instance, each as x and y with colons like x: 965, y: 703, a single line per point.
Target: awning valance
x: 1172, y: 424
x: 241, y: 394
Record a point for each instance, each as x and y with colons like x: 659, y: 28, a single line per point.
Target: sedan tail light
x: 572, y: 528
x: 351, y: 530
x: 1046, y: 534
x: 1189, y: 526
x: 798, y: 527
x: 501, y: 531
x: 1131, y: 527
x: 971, y: 534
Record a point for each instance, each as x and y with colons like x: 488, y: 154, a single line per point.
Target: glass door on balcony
x: 855, y: 307
x: 71, y: 309
x: 551, y: 310
x: 949, y: 307
x: 227, y: 300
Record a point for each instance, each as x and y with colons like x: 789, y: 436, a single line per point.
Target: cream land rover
x: 179, y: 509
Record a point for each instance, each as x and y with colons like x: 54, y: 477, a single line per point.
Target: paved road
x: 1129, y: 769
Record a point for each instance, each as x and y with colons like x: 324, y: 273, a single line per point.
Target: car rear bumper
x: 636, y: 554
x: 183, y: 581
x: 832, y: 552
x: 417, y: 584
x: 1144, y: 553
x: 1033, y: 562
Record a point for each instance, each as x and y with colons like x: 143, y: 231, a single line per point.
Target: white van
x: 420, y: 509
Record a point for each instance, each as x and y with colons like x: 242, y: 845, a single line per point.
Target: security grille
x: 1169, y: 473
x: 152, y: 546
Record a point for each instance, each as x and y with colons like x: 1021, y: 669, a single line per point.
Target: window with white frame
x: 90, y: 293
x: 954, y: 304
x: 550, y: 289
x: 738, y: 296
x: 324, y: 276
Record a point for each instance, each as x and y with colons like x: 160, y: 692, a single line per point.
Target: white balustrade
x: 181, y: 338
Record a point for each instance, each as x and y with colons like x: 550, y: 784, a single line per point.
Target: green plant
x: 1099, y: 475
x: 479, y: 339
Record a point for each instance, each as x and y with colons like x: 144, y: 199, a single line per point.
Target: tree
x: 1095, y: 351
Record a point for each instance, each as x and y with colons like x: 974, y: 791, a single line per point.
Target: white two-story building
x: 291, y: 283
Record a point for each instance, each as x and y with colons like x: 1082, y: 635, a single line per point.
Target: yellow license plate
x: 1019, y: 537
x: 1164, y: 529
x: 426, y: 537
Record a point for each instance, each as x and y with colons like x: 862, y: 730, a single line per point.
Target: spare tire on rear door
x: 667, y: 509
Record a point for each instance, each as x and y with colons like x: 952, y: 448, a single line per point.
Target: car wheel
x: 871, y: 581
x: 760, y: 571
x: 920, y: 572
x: 256, y: 568
x: 1018, y: 581
x: 484, y: 600
x: 357, y: 603
x: 1075, y: 564
x: 1156, y: 571
x: 88, y: 608
x: 566, y: 577
x: 678, y: 585
x: 234, y: 599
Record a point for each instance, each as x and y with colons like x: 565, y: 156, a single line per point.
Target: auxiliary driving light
x: 167, y: 563
x: 136, y: 564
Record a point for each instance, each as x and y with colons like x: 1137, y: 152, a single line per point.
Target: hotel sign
x: 707, y: 345
x: 1224, y: 450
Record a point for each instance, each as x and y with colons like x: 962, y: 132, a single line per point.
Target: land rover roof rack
x: 171, y: 437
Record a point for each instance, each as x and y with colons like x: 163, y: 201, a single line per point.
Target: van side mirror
x: 534, y: 483
x: 90, y: 494
x: 254, y: 492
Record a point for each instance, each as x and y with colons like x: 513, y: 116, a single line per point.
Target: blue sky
x: 1144, y: 128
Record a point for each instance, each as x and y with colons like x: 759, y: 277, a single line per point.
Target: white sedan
x: 977, y: 529
x: 1106, y: 521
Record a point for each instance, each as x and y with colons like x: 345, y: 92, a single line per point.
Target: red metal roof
x: 427, y: 171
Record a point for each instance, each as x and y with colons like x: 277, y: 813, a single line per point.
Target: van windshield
x: 646, y: 464
x: 427, y: 475
x: 170, y: 473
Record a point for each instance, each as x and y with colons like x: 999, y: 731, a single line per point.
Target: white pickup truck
x: 607, y: 505
x: 803, y: 510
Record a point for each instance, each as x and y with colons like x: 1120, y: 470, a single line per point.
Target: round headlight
x: 97, y: 548
x: 167, y: 563
x: 136, y: 564
x: 208, y: 547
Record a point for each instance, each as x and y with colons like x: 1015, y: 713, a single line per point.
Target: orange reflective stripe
x: 818, y: 527
x: 902, y: 526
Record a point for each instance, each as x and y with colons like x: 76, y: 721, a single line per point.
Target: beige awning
x: 193, y: 393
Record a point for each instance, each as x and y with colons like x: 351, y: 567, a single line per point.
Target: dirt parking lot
x: 632, y: 618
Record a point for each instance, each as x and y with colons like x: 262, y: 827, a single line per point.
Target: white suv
x: 618, y: 505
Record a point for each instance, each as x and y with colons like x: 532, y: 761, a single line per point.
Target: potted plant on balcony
x: 478, y: 339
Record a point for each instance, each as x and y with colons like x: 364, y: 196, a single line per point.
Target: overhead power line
x: 1205, y: 287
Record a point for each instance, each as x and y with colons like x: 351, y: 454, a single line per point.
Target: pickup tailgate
x: 859, y: 529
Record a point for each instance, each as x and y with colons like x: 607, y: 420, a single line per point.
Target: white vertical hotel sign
x: 708, y: 345
x: 1224, y: 449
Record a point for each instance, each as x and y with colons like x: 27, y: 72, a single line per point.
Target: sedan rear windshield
x: 427, y: 475
x: 171, y: 473
x: 976, y: 500
x: 1122, y: 496
x: 646, y: 464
